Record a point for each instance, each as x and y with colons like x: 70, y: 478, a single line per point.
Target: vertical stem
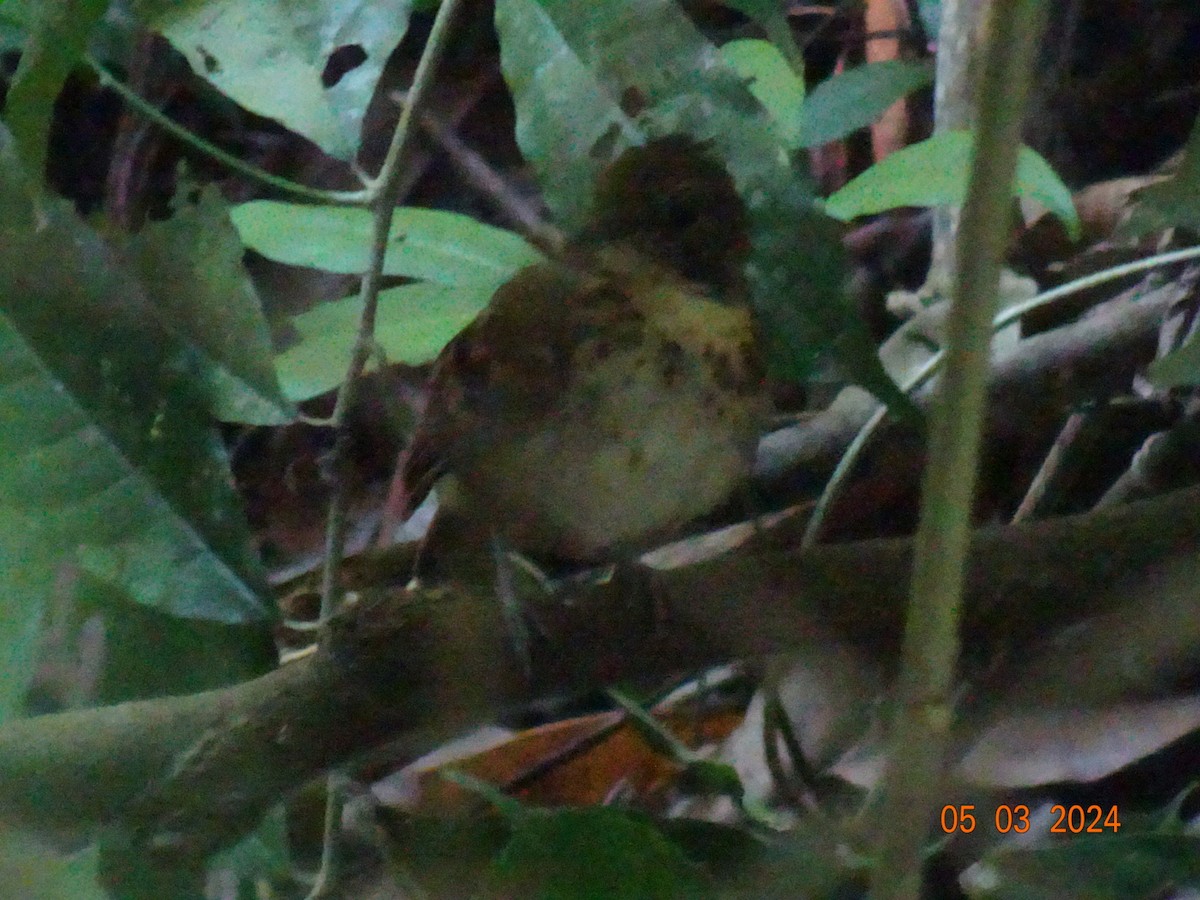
x: 383, y: 206
x: 383, y: 199
x: 931, y: 642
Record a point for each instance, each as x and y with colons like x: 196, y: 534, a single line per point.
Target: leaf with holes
x: 311, y: 66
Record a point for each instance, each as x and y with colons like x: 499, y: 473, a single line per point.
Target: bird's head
x: 675, y: 202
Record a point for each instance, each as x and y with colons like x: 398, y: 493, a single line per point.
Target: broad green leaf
x: 592, y: 854
x: 443, y: 247
x: 1174, y: 202
x: 772, y: 82
x: 273, y: 57
x: 57, y: 37
x: 464, y: 261
x: 191, y: 266
x: 106, y: 440
x: 935, y: 172
x: 587, y: 84
x: 413, y: 324
x: 854, y: 99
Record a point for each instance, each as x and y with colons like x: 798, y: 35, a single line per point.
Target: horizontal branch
x: 189, y: 774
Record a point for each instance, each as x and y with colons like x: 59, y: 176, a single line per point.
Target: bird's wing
x: 505, y: 368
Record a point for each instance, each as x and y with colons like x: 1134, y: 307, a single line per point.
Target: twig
x: 382, y: 191
x: 383, y: 196
x: 154, y: 114
x: 510, y: 204
x: 953, y: 93
x: 1040, y: 489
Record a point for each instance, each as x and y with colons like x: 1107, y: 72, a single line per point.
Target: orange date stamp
x: 1070, y: 819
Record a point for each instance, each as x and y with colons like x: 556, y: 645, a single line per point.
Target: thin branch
x: 383, y: 200
x: 953, y: 109
x: 384, y: 195
x: 1041, y: 492
x: 507, y: 201
x: 158, y: 117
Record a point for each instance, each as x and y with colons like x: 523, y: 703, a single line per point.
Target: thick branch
x: 190, y: 773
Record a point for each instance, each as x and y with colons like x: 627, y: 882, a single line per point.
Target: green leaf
x: 106, y: 441
x: 443, y: 247
x: 1108, y: 867
x: 772, y: 82
x: 414, y: 322
x: 272, y: 57
x: 1174, y: 202
x: 854, y: 99
x: 58, y: 33
x: 463, y: 262
x: 592, y: 854
x: 935, y: 172
x: 587, y: 84
x: 191, y: 265
x: 564, y: 112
